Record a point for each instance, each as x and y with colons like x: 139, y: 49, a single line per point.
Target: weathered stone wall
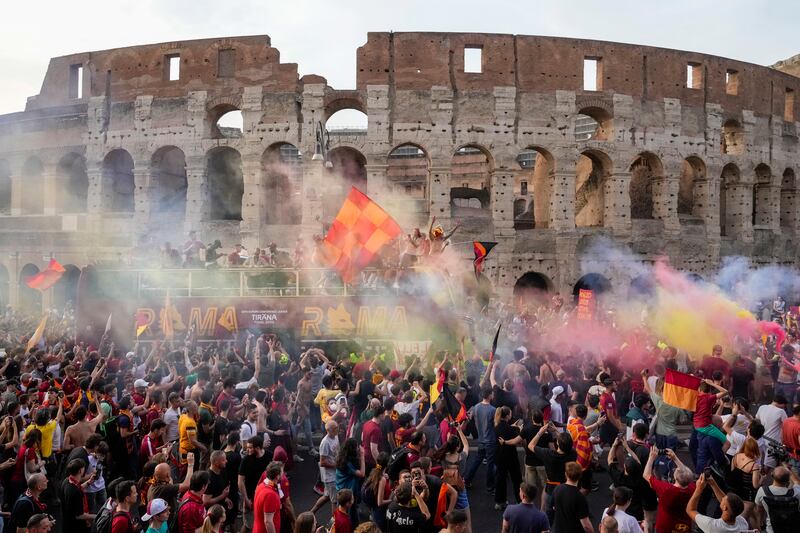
x: 693, y: 172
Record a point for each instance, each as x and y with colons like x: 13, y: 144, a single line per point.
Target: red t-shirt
x: 341, y: 522
x: 149, y: 448
x: 672, y: 501
x: 607, y: 403
x: 24, y: 455
x: 192, y: 514
x: 266, y: 500
x: 371, y: 434
x: 704, y: 409
x: 790, y: 434
x: 711, y: 364
x: 121, y: 523
x: 403, y: 435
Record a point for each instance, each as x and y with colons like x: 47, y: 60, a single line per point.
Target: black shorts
x: 586, y: 479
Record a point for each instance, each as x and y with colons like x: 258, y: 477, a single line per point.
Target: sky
x: 321, y: 36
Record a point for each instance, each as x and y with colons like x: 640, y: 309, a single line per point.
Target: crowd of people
x: 189, y: 437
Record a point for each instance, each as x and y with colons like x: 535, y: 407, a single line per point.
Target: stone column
x: 706, y: 204
x: 312, y: 197
x: 439, y: 193
x: 252, y: 201
x: 52, y: 196
x: 502, y: 202
x: 142, y: 195
x: 562, y: 201
x: 617, y: 203
x: 196, y: 193
x: 96, y: 203
x: 665, y: 202
x: 774, y: 216
x: 377, y: 185
x: 739, y: 209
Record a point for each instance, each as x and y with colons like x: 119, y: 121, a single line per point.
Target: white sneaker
x: 298, y: 459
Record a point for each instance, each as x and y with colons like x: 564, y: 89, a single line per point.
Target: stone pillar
x: 377, y: 184
x: 562, y: 201
x: 665, y: 202
x: 52, y: 196
x: 142, y: 195
x: 17, y: 186
x: 502, y: 202
x: 252, y: 201
x: 439, y: 194
x: 739, y: 209
x: 312, y: 197
x: 774, y: 203
x: 95, y: 204
x: 617, y: 203
x: 706, y: 204
x: 196, y: 193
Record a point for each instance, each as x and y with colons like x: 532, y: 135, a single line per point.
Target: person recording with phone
x: 506, y: 457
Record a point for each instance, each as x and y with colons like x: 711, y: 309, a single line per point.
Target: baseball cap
x: 155, y: 507
x: 140, y: 383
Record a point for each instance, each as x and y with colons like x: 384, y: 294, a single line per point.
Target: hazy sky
x: 322, y: 35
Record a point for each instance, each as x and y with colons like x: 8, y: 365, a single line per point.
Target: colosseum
x: 542, y: 144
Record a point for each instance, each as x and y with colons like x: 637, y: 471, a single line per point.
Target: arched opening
x: 65, y: 291
x: 30, y: 300
x: 645, y: 168
x: 73, y: 183
x: 692, y: 170
x: 347, y: 121
x: 728, y: 182
x: 348, y: 169
x: 5, y: 187
x: 591, y: 171
x: 118, y: 179
x: 225, y: 184
x: 282, y: 173
x: 533, y: 187
x: 532, y: 290
x: 226, y: 121
x: 642, y: 287
x: 470, y: 182
x: 597, y: 283
x: 4, y: 281
x: 732, y: 138
x: 593, y: 124
x: 169, y: 185
x: 788, y: 199
x: 762, y: 209
x: 407, y: 176
x: 33, y: 182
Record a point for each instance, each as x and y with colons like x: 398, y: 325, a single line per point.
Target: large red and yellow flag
x: 680, y: 390
x: 359, y: 231
x: 38, y: 335
x: 47, y: 277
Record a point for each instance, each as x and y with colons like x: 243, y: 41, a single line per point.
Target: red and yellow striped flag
x: 680, y: 390
x: 359, y: 231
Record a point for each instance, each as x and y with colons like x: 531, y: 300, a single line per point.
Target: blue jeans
x: 485, y: 451
x: 305, y: 427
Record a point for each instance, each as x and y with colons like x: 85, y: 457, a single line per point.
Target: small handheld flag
x: 108, y: 324
x: 481, y: 250
x: 494, y: 344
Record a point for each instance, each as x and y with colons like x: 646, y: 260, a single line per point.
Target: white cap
x: 140, y: 383
x: 558, y: 389
x: 155, y: 507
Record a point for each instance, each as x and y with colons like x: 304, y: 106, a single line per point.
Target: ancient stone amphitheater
x: 542, y: 144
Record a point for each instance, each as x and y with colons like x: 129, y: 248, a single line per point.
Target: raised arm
x: 691, y: 507
x: 721, y: 391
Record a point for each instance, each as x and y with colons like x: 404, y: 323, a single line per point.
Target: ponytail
x: 622, y: 496
x: 213, y: 516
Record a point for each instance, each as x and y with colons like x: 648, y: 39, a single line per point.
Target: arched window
x: 226, y: 121
x: 282, y: 169
x: 470, y: 182
x: 347, y: 122
x: 225, y: 184
x: 73, y: 183
x: 593, y: 123
x: 118, y: 177
x: 732, y: 138
x: 597, y: 283
x: 645, y: 168
x: 532, y: 289
x: 592, y: 170
x: 692, y: 170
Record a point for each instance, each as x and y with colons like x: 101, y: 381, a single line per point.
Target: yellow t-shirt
x: 48, y: 431
x: 187, y: 427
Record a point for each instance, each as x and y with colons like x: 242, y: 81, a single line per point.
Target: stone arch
x: 532, y: 288
x: 728, y: 183
x: 594, y: 122
x: 225, y: 119
x: 642, y: 287
x: 592, y: 281
x: 470, y: 181
x: 117, y: 175
x: 4, y: 287
x: 65, y: 291
x: 73, y: 183
x: 30, y: 300
x: 732, y: 138
x: 345, y: 112
x: 282, y: 174
x: 788, y: 199
x: 168, y: 184
x: 533, y: 183
x: 225, y: 183
x: 5, y: 187
x: 591, y: 172
x: 348, y: 169
x: 407, y: 175
x: 33, y: 180
x: 644, y: 169
x: 762, y: 192
x: 693, y: 169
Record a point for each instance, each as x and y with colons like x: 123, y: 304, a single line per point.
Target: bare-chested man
x: 77, y: 433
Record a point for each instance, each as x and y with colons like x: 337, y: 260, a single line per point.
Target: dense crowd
x: 189, y: 437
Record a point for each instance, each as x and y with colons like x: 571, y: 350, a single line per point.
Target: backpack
x: 173, y: 518
x: 105, y: 518
x: 397, y: 462
x: 783, y: 510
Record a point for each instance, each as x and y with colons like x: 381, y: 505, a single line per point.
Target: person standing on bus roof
x: 191, y: 251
